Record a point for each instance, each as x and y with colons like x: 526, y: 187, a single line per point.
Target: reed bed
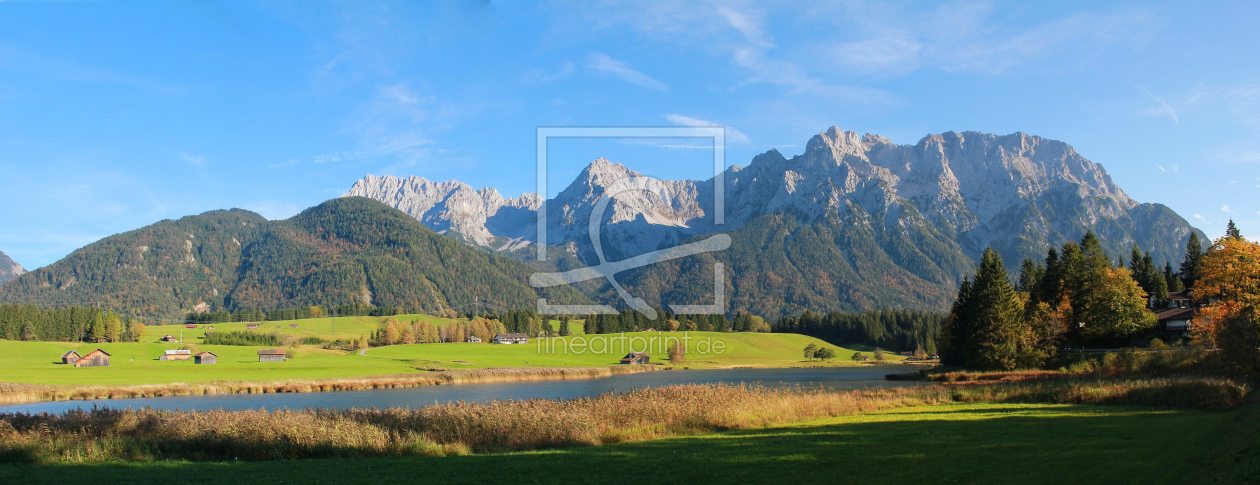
x: 23, y: 393
x: 108, y: 435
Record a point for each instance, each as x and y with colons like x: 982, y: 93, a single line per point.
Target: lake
x: 840, y: 378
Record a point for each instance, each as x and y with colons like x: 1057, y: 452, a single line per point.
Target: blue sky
x: 116, y: 115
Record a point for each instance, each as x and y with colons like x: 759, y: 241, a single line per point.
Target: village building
x: 205, y: 358
x: 1174, y: 317
x: 293, y: 325
x: 176, y: 355
x: 95, y: 358
x: 191, y: 325
x: 472, y: 339
x: 169, y: 338
x: 636, y: 358
x: 271, y: 355
x: 251, y: 326
x: 510, y: 338
x: 70, y: 357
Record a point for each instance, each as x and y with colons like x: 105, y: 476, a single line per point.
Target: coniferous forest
x: 342, y: 253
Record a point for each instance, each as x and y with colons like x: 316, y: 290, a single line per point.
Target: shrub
x: 313, y: 341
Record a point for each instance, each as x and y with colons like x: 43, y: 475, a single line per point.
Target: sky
x: 117, y: 115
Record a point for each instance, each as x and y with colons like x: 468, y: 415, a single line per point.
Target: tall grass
x: 21, y: 393
x: 105, y: 435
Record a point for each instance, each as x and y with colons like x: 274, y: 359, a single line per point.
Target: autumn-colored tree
x: 1114, y: 308
x: 137, y: 330
x: 1229, y: 280
x: 677, y: 354
x: 316, y: 311
x: 392, y: 334
x: 113, y: 327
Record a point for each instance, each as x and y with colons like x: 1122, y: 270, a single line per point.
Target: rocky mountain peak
x: 9, y: 269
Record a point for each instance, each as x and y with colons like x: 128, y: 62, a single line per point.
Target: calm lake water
x: 415, y: 397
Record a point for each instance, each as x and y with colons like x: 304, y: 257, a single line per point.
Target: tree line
x: 73, y: 324
x: 1075, y: 297
x: 887, y: 328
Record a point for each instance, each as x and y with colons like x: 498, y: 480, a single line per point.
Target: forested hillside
x: 344, y: 251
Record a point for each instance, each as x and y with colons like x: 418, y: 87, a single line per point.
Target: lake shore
x: 27, y: 393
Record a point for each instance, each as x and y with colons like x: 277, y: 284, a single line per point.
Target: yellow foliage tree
x: 1229, y: 281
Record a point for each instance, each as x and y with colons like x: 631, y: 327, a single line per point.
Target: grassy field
x: 346, y: 327
x: 136, y: 363
x: 951, y: 443
x: 736, y: 349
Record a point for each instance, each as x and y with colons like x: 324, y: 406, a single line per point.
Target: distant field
x: 346, y: 327
x: 136, y: 363
x: 738, y: 349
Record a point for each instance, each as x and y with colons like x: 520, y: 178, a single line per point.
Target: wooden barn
x: 176, y: 355
x: 169, y: 338
x: 636, y: 358
x: 95, y: 358
x: 190, y: 326
x: 70, y: 357
x: 293, y: 325
x: 205, y: 358
x: 251, y: 326
x: 271, y: 355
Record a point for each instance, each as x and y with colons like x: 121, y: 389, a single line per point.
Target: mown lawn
x: 978, y: 443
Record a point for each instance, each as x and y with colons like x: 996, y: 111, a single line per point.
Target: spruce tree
x: 1190, y: 265
x: 1050, y: 288
x: 1027, y: 282
x: 997, y: 318
x: 1171, y: 280
x: 1231, y: 231
x: 956, y: 331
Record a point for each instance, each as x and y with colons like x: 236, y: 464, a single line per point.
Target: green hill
x: 344, y: 251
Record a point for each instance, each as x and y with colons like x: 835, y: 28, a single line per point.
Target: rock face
x: 904, y: 222
x: 9, y: 269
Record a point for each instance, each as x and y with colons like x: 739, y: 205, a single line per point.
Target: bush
x: 290, y: 354
x: 313, y: 341
x: 189, y: 347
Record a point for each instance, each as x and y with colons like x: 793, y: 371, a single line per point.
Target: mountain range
x: 855, y: 222
x: 344, y: 251
x: 9, y: 269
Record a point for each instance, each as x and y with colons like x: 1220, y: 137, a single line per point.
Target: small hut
x: 636, y: 358
x: 271, y: 355
x: 190, y: 326
x: 70, y: 357
x: 473, y: 339
x: 176, y: 355
x: 95, y: 358
x: 169, y: 338
x: 251, y: 326
x: 205, y: 358
x: 293, y: 325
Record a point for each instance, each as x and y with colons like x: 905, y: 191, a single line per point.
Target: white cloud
x: 601, y: 62
x: 194, y: 160
x: 539, y: 76
x: 892, y: 55
x: 1162, y: 110
x: 1199, y: 217
x: 1226, y: 208
x: 732, y: 135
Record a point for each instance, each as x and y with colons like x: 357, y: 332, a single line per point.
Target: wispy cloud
x: 194, y: 160
x: 1170, y: 169
x: 1225, y: 208
x: 1163, y: 109
x: 601, y: 62
x: 732, y: 135
x: 539, y: 76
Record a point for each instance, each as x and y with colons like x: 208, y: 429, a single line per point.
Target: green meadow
x: 137, y: 363
x: 952, y: 443
x: 704, y: 349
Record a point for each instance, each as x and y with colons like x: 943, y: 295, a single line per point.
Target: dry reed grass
x: 105, y: 435
x: 23, y: 393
